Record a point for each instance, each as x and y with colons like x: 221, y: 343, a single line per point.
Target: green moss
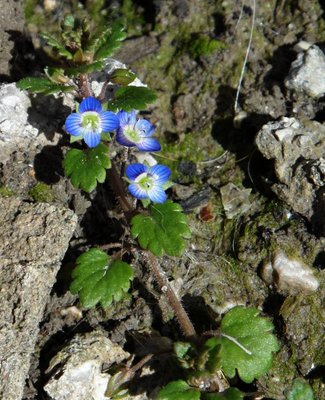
x: 41, y: 193
x: 203, y: 45
x: 5, y: 192
x: 134, y: 19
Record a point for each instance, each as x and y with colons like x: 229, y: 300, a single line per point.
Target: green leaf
x: 56, y: 44
x: 111, y: 42
x: 122, y: 76
x: 87, y: 167
x: 300, y: 391
x: 74, y: 139
x: 211, y: 355
x: 98, y: 39
x: 56, y: 75
x: 69, y: 21
x: 247, y: 344
x: 85, y: 68
x: 185, y: 354
x: 228, y: 394
x: 132, y: 98
x: 181, y: 349
x: 42, y: 85
x: 99, y: 279
x: 163, y: 231
x: 178, y: 390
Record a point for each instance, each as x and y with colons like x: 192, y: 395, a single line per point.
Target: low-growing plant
x: 155, y: 226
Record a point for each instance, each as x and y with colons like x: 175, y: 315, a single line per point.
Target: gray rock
x: 33, y: 241
x: 11, y: 20
x: 289, y: 275
x: 307, y: 73
x: 298, y: 151
x: 80, y: 376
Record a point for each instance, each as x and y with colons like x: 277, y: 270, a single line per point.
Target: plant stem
x: 117, y: 185
x: 102, y: 93
x: 181, y: 315
x: 84, y: 85
x: 159, y: 275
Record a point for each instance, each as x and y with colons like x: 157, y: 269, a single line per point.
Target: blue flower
x: 90, y: 121
x: 133, y: 132
x: 148, y: 182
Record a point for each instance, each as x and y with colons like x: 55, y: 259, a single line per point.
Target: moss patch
x: 41, y: 193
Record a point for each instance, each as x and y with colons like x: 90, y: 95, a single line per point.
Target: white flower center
x: 90, y: 120
x: 145, y: 181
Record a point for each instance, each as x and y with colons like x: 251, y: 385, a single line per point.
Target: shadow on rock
x: 280, y: 61
x: 101, y: 223
x: 48, y: 165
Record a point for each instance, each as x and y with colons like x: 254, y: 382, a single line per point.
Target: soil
x: 208, y: 146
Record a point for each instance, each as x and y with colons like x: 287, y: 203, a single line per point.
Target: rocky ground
x: 251, y: 179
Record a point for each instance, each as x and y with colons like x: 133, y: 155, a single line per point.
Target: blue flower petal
x: 109, y: 121
x: 161, y: 172
x: 134, y: 170
x: 121, y: 138
x: 90, y: 104
x: 92, y: 138
x: 157, y: 194
x: 127, y: 118
x: 145, y: 128
x: 137, y: 192
x: 148, y: 144
x: 73, y: 124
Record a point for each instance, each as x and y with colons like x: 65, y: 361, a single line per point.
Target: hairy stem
x: 117, y: 185
x: 181, y: 315
x: 186, y: 325
x: 84, y: 86
x: 102, y: 93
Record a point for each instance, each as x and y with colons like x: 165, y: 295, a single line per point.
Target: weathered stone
x: 79, y: 376
x: 289, y: 275
x: 33, y: 241
x: 307, y: 73
x: 298, y: 151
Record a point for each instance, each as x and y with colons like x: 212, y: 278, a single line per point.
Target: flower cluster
x: 91, y: 121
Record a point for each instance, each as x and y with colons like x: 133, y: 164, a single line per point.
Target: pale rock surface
x: 79, y: 375
x: 307, y: 73
x: 15, y: 129
x: 289, y: 275
x: 33, y: 241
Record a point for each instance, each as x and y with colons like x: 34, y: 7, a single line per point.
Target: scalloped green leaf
x: 228, y: 394
x: 132, y: 98
x: 56, y: 44
x: 87, y: 167
x: 99, y: 279
x: 122, y: 76
x: 178, y: 390
x: 163, y: 231
x: 300, y: 391
x: 111, y: 41
x: 247, y: 343
x: 42, y: 85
